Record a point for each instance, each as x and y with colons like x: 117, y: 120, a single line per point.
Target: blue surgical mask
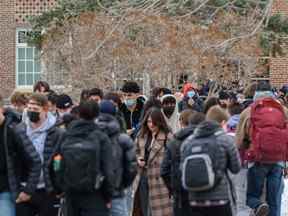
x: 191, y: 94
x: 130, y: 102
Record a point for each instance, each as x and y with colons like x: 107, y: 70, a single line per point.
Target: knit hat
x: 64, y: 102
x: 107, y: 107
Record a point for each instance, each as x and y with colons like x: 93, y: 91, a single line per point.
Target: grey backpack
x: 200, y: 167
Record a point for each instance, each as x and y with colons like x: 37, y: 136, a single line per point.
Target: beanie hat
x: 64, y: 102
x: 107, y: 107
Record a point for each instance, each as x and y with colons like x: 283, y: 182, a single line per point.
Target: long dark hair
x: 157, y: 119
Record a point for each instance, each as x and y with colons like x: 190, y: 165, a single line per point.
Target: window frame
x: 25, y: 46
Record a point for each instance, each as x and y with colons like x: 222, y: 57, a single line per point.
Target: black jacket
x: 23, y: 162
x: 125, y: 165
x: 132, y: 119
x: 51, y: 143
x: 170, y: 167
x: 197, y: 106
x: 80, y: 128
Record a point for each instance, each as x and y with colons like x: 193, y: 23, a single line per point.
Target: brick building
x: 20, y: 65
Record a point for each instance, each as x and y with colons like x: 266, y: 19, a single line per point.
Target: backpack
x: 79, y: 164
x: 268, y: 132
x: 200, y: 168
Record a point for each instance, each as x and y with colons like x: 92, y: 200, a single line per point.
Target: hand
x: 191, y: 102
x: 109, y: 205
x: 130, y: 131
x: 23, y: 197
x: 141, y: 162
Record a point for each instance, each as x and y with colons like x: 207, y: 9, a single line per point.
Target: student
x: 41, y: 132
x: 18, y: 160
x: 151, y: 195
x: 170, y: 171
x: 87, y: 169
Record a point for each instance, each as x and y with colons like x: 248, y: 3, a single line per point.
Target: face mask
x: 190, y: 94
x: 168, y: 111
x: 33, y: 116
x: 130, y: 102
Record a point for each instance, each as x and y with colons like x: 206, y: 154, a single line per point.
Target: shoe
x: 262, y: 210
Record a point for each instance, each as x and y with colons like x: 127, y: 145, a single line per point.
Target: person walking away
x: 206, y: 157
x: 84, y: 165
x: 124, y: 157
x: 170, y: 167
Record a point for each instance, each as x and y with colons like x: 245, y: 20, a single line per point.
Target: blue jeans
x: 279, y: 201
x: 7, y: 204
x: 257, y: 175
x: 119, y: 207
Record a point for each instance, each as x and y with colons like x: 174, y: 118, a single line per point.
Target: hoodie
x: 173, y: 121
x: 38, y: 137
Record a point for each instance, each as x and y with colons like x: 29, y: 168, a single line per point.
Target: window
x: 28, y: 64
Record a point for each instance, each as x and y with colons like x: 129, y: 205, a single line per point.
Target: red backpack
x: 268, y: 132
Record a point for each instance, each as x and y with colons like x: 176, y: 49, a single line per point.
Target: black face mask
x: 33, y: 116
x: 168, y: 111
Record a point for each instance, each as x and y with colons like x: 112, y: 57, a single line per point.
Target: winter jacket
x: 22, y: 160
x: 170, y: 169
x: 132, y: 119
x: 53, y: 136
x: 82, y: 128
x: 125, y: 166
x: 197, y: 106
x: 228, y: 158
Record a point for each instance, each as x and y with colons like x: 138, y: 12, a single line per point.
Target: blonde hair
x: 216, y: 113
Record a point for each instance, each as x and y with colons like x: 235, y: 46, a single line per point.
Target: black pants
x: 41, y: 204
x: 86, y: 204
x: 224, y: 210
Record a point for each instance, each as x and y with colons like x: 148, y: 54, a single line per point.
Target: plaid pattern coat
x: 159, y: 198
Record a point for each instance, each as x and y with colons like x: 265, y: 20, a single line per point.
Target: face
x: 51, y: 107
x: 35, y: 107
x: 151, y: 126
x: 168, y: 109
x: 95, y: 98
x: 224, y: 103
x: 130, y: 100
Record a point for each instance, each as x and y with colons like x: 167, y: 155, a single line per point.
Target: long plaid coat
x: 159, y: 198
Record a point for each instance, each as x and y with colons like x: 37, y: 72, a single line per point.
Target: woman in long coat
x: 151, y: 197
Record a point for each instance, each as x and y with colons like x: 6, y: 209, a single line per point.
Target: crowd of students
x: 197, y: 152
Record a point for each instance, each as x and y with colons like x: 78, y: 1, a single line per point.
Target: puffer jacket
x: 54, y: 135
x: 23, y: 162
x: 228, y: 160
x: 125, y: 164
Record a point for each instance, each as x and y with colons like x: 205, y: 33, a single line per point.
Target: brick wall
x: 14, y: 14
x: 279, y: 66
x: 279, y: 71
x: 7, y: 47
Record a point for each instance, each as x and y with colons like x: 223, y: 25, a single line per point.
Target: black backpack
x: 200, y: 167
x: 80, y: 164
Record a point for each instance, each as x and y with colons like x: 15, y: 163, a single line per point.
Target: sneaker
x: 262, y: 210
